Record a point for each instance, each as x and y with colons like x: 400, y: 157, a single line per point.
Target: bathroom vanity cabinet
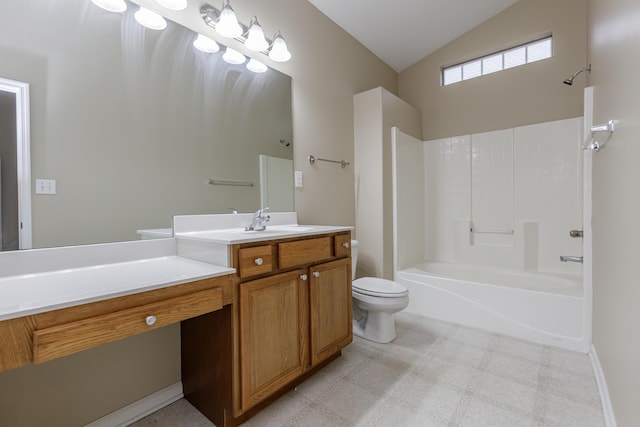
x: 292, y: 316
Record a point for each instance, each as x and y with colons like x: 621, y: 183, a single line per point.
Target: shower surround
x: 480, y: 223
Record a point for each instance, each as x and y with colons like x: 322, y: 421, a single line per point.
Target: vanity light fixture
x: 227, y: 25
x: 279, y: 51
x: 255, y: 37
x: 233, y: 56
x: 173, y: 4
x: 256, y: 66
x: 252, y: 37
x: 150, y: 19
x: 205, y: 44
x: 111, y: 5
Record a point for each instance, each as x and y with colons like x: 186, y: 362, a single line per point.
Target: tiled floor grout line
x: 465, y: 401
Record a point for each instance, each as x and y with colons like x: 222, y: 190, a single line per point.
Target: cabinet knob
x: 303, y: 277
x: 259, y: 261
x: 345, y: 245
x: 316, y: 274
x: 150, y: 320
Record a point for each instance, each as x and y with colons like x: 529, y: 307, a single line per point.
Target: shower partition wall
x: 494, y: 211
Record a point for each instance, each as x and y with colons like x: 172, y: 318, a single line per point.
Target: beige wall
x: 523, y: 95
x: 328, y: 67
x: 77, y: 389
x: 614, y: 38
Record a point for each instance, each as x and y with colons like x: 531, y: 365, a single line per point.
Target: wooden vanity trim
x: 17, y: 348
x: 57, y: 341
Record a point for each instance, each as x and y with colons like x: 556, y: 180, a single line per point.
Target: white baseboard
x: 141, y: 408
x: 603, y: 389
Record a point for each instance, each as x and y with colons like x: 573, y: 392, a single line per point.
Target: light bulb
x: 150, y: 19
x: 255, y: 39
x: 233, y: 56
x: 111, y: 5
x: 205, y: 44
x: 256, y: 66
x: 227, y: 25
x: 173, y: 4
x: 279, y: 51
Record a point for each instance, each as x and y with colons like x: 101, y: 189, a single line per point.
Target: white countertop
x: 39, y: 280
x: 35, y: 293
x: 239, y: 235
x: 49, y: 279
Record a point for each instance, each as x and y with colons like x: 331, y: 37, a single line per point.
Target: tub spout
x: 566, y: 258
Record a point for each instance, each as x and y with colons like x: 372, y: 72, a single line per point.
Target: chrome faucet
x: 259, y: 220
x: 566, y: 258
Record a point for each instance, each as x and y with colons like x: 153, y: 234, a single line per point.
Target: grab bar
x: 475, y: 230
x: 567, y: 258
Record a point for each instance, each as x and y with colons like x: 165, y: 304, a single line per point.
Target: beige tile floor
x: 433, y: 374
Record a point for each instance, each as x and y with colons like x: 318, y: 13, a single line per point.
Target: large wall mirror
x: 132, y: 123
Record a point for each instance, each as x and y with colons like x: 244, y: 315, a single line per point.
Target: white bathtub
x: 544, y: 308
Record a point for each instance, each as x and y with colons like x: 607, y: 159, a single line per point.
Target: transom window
x: 514, y: 57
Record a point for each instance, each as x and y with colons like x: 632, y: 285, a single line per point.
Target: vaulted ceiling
x: 402, y: 32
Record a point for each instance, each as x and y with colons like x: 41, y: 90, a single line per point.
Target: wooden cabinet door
x: 274, y: 330
x: 330, y: 308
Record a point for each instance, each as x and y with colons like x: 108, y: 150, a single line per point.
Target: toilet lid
x: 379, y: 287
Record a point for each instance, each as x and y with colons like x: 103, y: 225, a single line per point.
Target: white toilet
x: 374, y: 302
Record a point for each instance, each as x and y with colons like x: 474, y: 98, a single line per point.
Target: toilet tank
x: 354, y: 258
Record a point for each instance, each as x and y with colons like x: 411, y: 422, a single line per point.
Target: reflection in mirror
x: 132, y: 123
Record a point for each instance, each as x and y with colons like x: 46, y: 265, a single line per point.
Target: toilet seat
x: 376, y: 287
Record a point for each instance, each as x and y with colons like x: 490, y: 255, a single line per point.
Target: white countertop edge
x: 15, y: 302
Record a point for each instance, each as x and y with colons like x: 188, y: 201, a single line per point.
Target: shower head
x: 569, y: 81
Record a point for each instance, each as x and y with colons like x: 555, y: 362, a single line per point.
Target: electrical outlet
x: 45, y: 186
x: 298, y: 175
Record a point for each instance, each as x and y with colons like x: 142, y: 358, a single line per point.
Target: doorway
x: 15, y: 166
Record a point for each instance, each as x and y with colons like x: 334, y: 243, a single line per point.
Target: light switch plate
x: 298, y: 175
x: 45, y: 186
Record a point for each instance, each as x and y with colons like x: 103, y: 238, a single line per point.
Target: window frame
x: 460, y: 65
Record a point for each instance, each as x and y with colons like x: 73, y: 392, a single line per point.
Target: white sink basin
x: 239, y: 235
x: 286, y: 228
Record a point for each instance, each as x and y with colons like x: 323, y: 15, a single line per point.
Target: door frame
x: 23, y: 145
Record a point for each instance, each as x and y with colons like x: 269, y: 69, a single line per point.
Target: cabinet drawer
x: 57, y: 341
x: 306, y: 251
x: 342, y: 244
x: 254, y: 261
